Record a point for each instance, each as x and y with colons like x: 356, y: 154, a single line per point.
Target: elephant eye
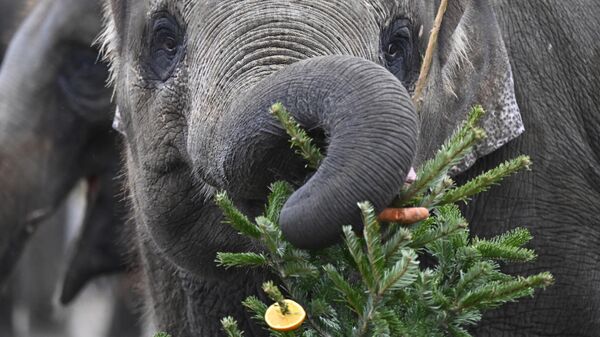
x: 397, y: 49
x: 165, y: 46
x: 82, y: 80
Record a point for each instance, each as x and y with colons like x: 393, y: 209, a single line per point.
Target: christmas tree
x: 374, y: 284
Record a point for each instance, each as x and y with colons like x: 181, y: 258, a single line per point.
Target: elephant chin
x: 371, y: 132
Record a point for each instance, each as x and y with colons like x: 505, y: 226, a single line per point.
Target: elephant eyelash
x: 165, y: 46
x: 398, y: 45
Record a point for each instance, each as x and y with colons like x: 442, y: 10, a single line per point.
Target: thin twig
x: 433, y: 39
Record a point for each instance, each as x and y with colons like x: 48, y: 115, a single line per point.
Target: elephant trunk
x: 370, y: 126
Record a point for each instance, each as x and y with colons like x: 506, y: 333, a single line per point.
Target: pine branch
x: 280, y: 192
x: 270, y: 234
x: 257, y: 307
x: 473, y: 119
x: 483, y: 182
x: 303, y: 269
x: 398, y: 240
x: 451, y: 153
x: 514, y: 238
x: 401, y: 275
x: 476, y: 273
x: 299, y: 139
x: 230, y: 327
x: 372, y: 234
x: 496, y: 251
x: 489, y: 296
x: 362, y: 263
x: 437, y: 193
x: 351, y: 295
x: 275, y: 294
x: 235, y: 218
x: 457, y: 331
x: 449, y: 221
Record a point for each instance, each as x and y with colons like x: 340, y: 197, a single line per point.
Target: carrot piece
x: 405, y: 216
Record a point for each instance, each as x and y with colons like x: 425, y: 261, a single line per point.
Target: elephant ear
x: 472, y: 68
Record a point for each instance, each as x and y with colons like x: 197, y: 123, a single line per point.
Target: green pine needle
x: 229, y: 260
x: 299, y: 139
x: 514, y: 238
x: 372, y: 234
x: 355, y: 247
x: 230, y: 327
x: 353, y: 297
x: 299, y: 269
x: 256, y: 306
x: 457, y: 331
x: 275, y: 294
x: 506, y: 253
x: 451, y: 153
x: 476, y: 273
x: 473, y: 118
x: 280, y: 192
x: 270, y: 235
x: 495, y: 293
x: 401, y: 275
x: 449, y: 221
x: 401, y: 238
x: 483, y: 182
x: 235, y: 218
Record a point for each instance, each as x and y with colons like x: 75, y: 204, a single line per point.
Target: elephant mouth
x: 411, y: 177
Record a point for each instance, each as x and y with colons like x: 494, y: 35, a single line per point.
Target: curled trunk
x: 370, y: 128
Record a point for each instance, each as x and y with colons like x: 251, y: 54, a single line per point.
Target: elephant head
x: 194, y: 81
x: 55, y: 118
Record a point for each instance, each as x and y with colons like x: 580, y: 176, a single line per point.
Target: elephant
x: 55, y: 117
x: 55, y: 130
x: 11, y: 11
x: 194, y: 81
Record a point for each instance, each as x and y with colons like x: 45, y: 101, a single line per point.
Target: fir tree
x: 372, y: 284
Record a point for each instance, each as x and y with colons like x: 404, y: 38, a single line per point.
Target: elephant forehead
x: 233, y: 44
x: 262, y: 36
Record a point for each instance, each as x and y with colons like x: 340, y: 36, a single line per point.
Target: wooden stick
x: 431, y: 45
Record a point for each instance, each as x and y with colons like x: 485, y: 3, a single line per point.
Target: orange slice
x: 280, y: 322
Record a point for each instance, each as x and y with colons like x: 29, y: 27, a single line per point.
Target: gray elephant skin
x: 13, y: 12
x: 55, y: 129
x: 55, y: 119
x: 194, y: 81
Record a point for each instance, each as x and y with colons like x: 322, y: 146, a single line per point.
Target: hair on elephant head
x: 194, y: 81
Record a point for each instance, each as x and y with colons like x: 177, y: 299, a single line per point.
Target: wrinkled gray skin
x: 554, y: 49
x: 199, y: 123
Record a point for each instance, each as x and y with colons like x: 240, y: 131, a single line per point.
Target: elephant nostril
x: 320, y: 139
